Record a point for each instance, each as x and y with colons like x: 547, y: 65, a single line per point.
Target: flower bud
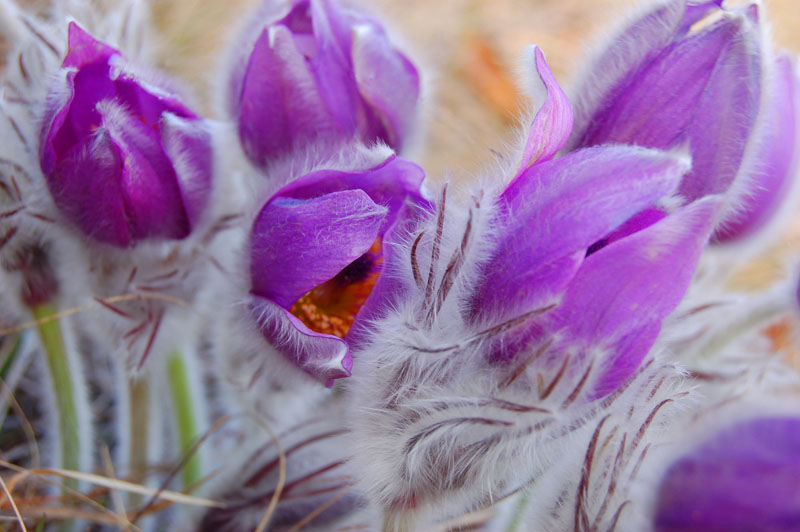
x: 745, y: 478
x: 321, y: 72
x: 698, y: 75
x: 124, y: 159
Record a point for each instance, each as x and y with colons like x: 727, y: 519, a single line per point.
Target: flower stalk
x: 185, y: 419
x: 64, y: 388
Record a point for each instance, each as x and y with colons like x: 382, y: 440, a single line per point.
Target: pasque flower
x: 699, y: 75
x: 745, y: 478
x: 551, y: 289
x: 315, y: 71
x: 124, y: 158
x: 315, y: 253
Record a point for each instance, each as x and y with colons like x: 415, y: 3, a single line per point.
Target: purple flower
x: 668, y: 81
x: 745, y: 478
x: 319, y: 72
x: 124, y: 159
x: 582, y: 241
x: 315, y: 254
x: 505, y: 316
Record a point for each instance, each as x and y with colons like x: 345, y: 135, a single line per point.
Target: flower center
x: 331, y: 308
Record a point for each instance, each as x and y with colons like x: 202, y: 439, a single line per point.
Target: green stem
x: 140, y: 424
x: 519, y: 509
x: 11, y: 355
x: 186, y: 423
x: 64, y: 388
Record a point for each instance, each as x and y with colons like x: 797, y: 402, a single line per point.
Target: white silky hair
x: 438, y: 429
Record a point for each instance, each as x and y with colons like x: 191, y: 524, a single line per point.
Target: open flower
x: 745, y: 478
x: 124, y: 158
x: 315, y: 253
x: 509, y: 317
x: 699, y: 75
x: 320, y: 72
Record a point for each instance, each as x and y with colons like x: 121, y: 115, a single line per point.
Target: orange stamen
x: 331, y: 308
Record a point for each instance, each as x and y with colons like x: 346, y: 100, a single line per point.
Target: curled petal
x: 322, y: 356
x: 552, y: 123
x: 299, y: 244
x: 388, y: 184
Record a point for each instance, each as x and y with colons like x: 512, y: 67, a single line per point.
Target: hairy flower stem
x: 398, y: 522
x: 185, y: 420
x: 64, y: 388
x: 139, y: 390
x: 519, y: 511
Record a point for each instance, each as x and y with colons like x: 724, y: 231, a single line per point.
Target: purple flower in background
x: 697, y: 75
x: 315, y: 254
x: 124, y: 159
x: 320, y: 72
x: 745, y: 478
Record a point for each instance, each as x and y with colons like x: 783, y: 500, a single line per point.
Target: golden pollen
x: 331, y: 307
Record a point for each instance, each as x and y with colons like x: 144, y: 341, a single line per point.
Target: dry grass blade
x: 13, y: 505
x: 27, y: 426
x: 102, y: 302
x: 276, y: 495
x: 110, y: 483
x: 321, y: 508
x: 159, y: 494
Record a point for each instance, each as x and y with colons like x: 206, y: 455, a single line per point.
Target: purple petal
x: 658, y: 105
x: 95, y: 205
x: 553, y: 121
x: 555, y: 210
x: 388, y: 184
x: 187, y: 144
x: 332, y: 67
x: 640, y: 220
x: 718, y: 137
x: 636, y: 46
x: 390, y: 288
x: 388, y: 81
x: 298, y: 244
x: 322, y: 356
x: 83, y: 49
x: 150, y: 191
x: 774, y: 161
x: 621, y: 292
x: 281, y: 106
x: 745, y: 479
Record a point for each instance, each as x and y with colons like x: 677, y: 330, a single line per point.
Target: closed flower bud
x: 124, y: 158
x: 702, y: 76
x: 316, y: 71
